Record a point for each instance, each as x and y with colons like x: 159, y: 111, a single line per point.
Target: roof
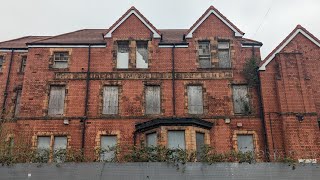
x: 250, y: 42
x: 84, y: 36
x: 209, y: 11
x: 133, y: 10
x: 286, y: 41
x: 20, y: 43
x: 145, y: 126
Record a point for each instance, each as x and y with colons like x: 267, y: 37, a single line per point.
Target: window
x: 107, y: 145
x: 1, y: 63
x: 153, y: 99
x: 56, y: 100
x: 23, y: 63
x: 195, y: 100
x: 240, y: 99
x: 110, y: 100
x: 224, y: 54
x: 245, y: 143
x: 204, y: 54
x: 142, y: 54
x: 60, y: 59
x: 17, y: 103
x: 176, y: 140
x: 123, y: 55
x: 58, y: 148
x: 151, y: 139
x: 199, y: 143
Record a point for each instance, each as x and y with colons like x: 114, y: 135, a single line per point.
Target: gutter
x: 5, y: 94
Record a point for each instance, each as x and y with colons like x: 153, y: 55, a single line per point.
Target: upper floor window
x: 123, y: 55
x: 240, y: 99
x: 142, y: 54
x: 153, y: 100
x: 224, y: 54
x: 1, y: 63
x: 17, y: 103
x: 204, y: 54
x: 110, y: 100
x: 60, y: 60
x: 56, y: 100
x: 195, y: 100
x: 23, y: 63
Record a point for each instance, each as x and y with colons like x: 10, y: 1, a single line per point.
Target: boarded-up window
x: 176, y: 140
x: 142, y: 54
x: 224, y: 54
x: 17, y: 103
x: 56, y: 100
x: 60, y: 59
x: 240, y: 99
x: 1, y: 63
x: 195, y: 100
x: 123, y: 55
x: 110, y: 100
x: 245, y: 143
x: 23, y: 63
x: 43, y: 147
x: 59, y: 148
x: 108, y: 146
x: 153, y: 100
x: 151, y: 139
x: 199, y: 141
x: 204, y: 54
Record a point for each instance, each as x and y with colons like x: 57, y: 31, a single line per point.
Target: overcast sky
x: 268, y: 21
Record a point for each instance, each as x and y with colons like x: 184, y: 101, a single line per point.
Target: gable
x: 133, y: 11
x: 299, y: 30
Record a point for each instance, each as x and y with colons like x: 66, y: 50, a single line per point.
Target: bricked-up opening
x: 1, y: 63
x: 241, y: 103
x: 56, y: 100
x: 195, y: 100
x: 60, y: 60
x: 110, y: 100
x: 23, y: 64
x: 107, y: 145
x: 224, y: 54
x: 123, y: 55
x: 142, y: 55
x: 153, y: 99
x: 204, y: 53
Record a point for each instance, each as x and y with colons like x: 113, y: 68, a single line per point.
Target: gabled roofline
x: 209, y: 11
x: 286, y: 41
x: 133, y: 10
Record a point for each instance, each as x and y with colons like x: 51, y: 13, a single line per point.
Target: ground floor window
x: 108, y: 147
x: 245, y: 143
x: 176, y: 140
x: 52, y: 147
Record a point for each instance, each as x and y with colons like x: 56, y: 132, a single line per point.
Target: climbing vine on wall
x: 250, y: 71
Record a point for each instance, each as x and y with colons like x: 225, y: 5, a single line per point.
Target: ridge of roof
x: 216, y: 12
x: 127, y: 14
x: 298, y: 29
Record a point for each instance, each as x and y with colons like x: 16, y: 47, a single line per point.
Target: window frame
x: 23, y: 63
x: 64, y: 100
x: 202, y: 57
x: 119, y: 43
x: 141, y: 43
x: 103, y: 100
x: 224, y: 49
x: 146, y: 139
x: 17, y: 107
x: 67, y: 61
x: 110, y: 151
x: 1, y: 63
x: 189, y: 99
x: 233, y: 99
x: 146, y: 100
x: 51, y: 150
x: 184, y: 139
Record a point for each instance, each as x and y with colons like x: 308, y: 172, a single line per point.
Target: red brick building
x: 133, y: 83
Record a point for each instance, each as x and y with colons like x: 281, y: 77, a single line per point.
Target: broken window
x: 110, y: 100
x: 224, y: 54
x: 108, y: 147
x: 123, y: 55
x: 59, y: 148
x: 1, y: 63
x: 240, y: 99
x: 195, y: 100
x: 17, y: 103
x: 176, y: 140
x: 199, y: 143
x: 60, y: 60
x: 23, y: 63
x: 142, y: 54
x: 151, y: 139
x: 153, y: 100
x: 245, y: 143
x: 56, y: 100
x: 204, y: 54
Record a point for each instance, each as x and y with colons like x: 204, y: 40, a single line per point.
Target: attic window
x: 1, y: 63
x: 123, y: 55
x: 142, y: 54
x: 224, y: 54
x: 61, y: 60
x: 204, y: 54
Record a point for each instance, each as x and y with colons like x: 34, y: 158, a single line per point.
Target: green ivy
x: 250, y: 71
